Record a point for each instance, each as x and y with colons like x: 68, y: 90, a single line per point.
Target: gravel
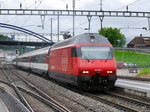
x: 37, y: 106
x: 70, y: 99
x: 6, y: 87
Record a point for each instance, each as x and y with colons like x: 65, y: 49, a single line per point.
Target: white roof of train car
x: 35, y: 52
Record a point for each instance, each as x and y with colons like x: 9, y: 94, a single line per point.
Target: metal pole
x: 51, y: 29
x: 149, y: 23
x: 101, y: 4
x: 73, y: 18
x: 101, y: 22
x: 58, y: 26
x: 89, y: 20
x: 42, y: 20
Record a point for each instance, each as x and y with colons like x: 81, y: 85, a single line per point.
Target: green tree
x: 2, y: 38
x: 115, y: 37
x: 22, y: 49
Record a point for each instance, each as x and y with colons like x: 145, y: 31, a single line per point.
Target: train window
x: 43, y: 58
x: 73, y: 52
x: 96, y: 52
x: 33, y: 59
x: 76, y: 52
x: 38, y: 59
x: 24, y: 59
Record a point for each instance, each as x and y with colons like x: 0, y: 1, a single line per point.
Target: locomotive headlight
x: 110, y: 72
x: 85, y: 72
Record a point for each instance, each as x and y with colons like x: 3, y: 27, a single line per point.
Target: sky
x: 130, y: 27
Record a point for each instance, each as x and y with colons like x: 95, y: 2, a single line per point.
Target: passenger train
x: 86, y: 61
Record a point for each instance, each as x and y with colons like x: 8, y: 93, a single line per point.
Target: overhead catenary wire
x: 115, y: 9
x: 85, y: 22
x: 128, y: 4
x: 39, y: 1
x: 35, y: 8
x: 36, y: 2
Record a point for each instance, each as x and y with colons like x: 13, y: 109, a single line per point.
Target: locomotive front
x: 95, y: 65
x: 86, y: 61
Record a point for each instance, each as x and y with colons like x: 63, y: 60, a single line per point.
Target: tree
x: 12, y: 48
x: 115, y: 37
x: 2, y: 37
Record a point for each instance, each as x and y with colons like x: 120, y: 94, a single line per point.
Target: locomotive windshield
x: 96, y: 52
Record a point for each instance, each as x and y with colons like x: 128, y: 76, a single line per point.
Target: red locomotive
x: 86, y: 61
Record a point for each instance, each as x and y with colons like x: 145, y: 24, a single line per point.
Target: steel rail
x: 41, y: 93
x: 111, y: 103
x: 129, y: 99
x: 45, y: 101
x: 22, y: 99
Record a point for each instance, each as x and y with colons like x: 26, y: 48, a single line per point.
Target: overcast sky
x: 30, y: 22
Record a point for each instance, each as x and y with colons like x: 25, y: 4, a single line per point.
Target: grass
x: 144, y: 71
x: 132, y: 57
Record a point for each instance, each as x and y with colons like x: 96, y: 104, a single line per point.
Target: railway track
x: 21, y: 97
x: 130, y: 100
x: 67, y: 97
x: 118, y: 101
x: 32, y: 91
x: 121, y: 102
x: 115, y: 100
x: 75, y: 102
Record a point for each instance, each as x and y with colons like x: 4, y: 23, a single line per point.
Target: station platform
x: 134, y: 87
x: 8, y: 103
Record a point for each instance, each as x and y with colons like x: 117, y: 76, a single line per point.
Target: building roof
x: 140, y: 41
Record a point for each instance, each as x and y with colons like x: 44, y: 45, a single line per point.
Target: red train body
x: 86, y: 61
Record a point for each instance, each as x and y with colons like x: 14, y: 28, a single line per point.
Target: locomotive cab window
x: 96, y: 52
